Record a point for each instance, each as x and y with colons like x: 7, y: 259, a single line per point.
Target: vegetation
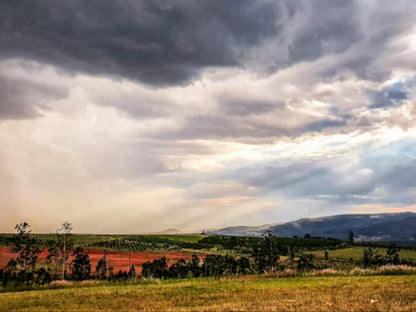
x: 80, y: 266
x: 225, y: 270
x: 355, y: 253
x: 250, y: 293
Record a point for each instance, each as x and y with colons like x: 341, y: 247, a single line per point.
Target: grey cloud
x: 243, y: 121
x: 321, y: 180
x: 21, y: 99
x: 169, y: 42
x: 327, y: 30
x: 389, y: 96
x: 137, y: 103
x: 400, y: 177
x: 320, y: 125
x: 154, y: 42
x: 246, y: 107
x: 222, y: 126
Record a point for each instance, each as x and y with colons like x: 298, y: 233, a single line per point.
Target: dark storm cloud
x: 168, y: 42
x: 21, y: 99
x: 155, y: 42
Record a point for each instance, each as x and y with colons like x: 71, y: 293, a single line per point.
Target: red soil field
x: 118, y: 260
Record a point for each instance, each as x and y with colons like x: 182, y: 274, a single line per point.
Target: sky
x: 138, y: 116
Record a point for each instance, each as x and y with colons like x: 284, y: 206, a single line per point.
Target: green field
x: 250, y: 293
x: 356, y: 253
x: 162, y: 243
x: 185, y: 238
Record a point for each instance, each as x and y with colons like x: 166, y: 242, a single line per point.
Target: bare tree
x: 64, y: 232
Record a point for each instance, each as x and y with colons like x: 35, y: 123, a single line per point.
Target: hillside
x: 243, y: 230
x: 383, y: 226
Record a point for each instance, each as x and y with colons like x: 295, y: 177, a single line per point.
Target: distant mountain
x: 171, y: 231
x: 243, y: 230
x: 382, y: 226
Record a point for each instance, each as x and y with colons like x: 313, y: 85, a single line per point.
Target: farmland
x: 356, y: 253
x: 124, y: 250
x: 212, y: 272
x: 118, y: 260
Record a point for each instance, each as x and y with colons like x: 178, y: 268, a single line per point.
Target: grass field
x: 185, y: 238
x: 250, y: 293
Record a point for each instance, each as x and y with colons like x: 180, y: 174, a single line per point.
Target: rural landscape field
x: 202, y: 272
x: 207, y: 155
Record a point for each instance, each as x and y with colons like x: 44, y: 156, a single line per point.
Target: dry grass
x: 251, y: 293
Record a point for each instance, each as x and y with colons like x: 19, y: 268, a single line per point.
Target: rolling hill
x: 375, y: 227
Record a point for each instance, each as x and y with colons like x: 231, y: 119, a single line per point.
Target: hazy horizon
x: 195, y: 231
x: 139, y: 116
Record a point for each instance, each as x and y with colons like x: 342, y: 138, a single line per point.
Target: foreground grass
x: 252, y: 293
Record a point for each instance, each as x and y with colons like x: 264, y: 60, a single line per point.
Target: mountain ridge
x: 400, y: 226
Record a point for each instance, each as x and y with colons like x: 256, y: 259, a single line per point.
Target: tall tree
x: 26, y: 246
x: 266, y: 254
x: 64, y: 233
x: 101, y: 268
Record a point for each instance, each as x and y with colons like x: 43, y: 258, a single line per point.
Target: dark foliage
x: 101, y: 268
x: 80, y: 266
x: 266, y: 254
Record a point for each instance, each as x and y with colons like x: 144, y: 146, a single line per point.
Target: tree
x: 156, y: 269
x: 368, y: 255
x: 371, y: 258
x: 178, y: 269
x: 392, y: 255
x: 213, y: 266
x: 194, y: 266
x: 266, y: 254
x: 351, y: 236
x: 53, y: 257
x: 305, y: 262
x: 132, y: 272
x: 64, y: 233
x: 101, y: 268
x: 26, y: 246
x: 80, y: 266
x: 243, y: 265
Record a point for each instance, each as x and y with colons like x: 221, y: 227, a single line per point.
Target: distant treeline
x: 240, y: 244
